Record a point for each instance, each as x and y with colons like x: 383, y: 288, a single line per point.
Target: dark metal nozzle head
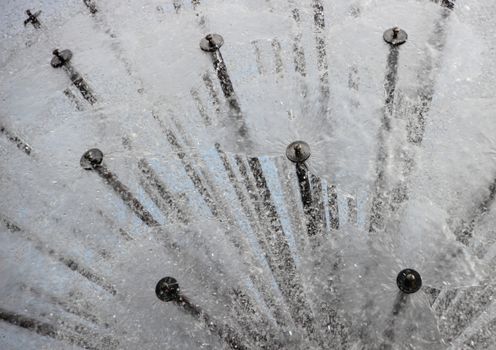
x: 211, y: 42
x: 60, y: 58
x: 409, y: 281
x: 28, y: 12
x: 298, y: 151
x: 395, y: 36
x: 167, y: 289
x: 91, y: 159
x: 449, y: 4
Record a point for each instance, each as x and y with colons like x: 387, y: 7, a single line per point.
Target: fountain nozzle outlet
x: 298, y: 151
x: 211, y: 42
x: 33, y: 19
x: 395, y: 36
x: 60, y: 58
x: 167, y: 289
x: 409, y: 281
x: 91, y: 159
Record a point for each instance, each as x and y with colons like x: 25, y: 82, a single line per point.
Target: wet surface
x: 194, y: 181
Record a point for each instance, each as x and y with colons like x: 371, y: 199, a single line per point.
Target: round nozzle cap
x: 395, y: 36
x: 211, y: 42
x: 91, y: 159
x: 60, y: 58
x: 409, y: 281
x: 167, y: 289
x: 298, y: 151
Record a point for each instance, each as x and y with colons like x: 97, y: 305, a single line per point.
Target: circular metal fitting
x: 167, y: 289
x: 60, y: 58
x: 395, y: 36
x: 298, y: 151
x: 211, y: 42
x: 91, y: 159
x: 409, y: 281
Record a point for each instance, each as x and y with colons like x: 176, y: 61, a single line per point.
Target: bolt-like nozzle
x: 28, y: 12
x: 167, y: 289
x: 298, y: 151
x: 60, y: 58
x: 211, y: 42
x: 395, y: 36
x: 409, y: 281
x: 91, y: 159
